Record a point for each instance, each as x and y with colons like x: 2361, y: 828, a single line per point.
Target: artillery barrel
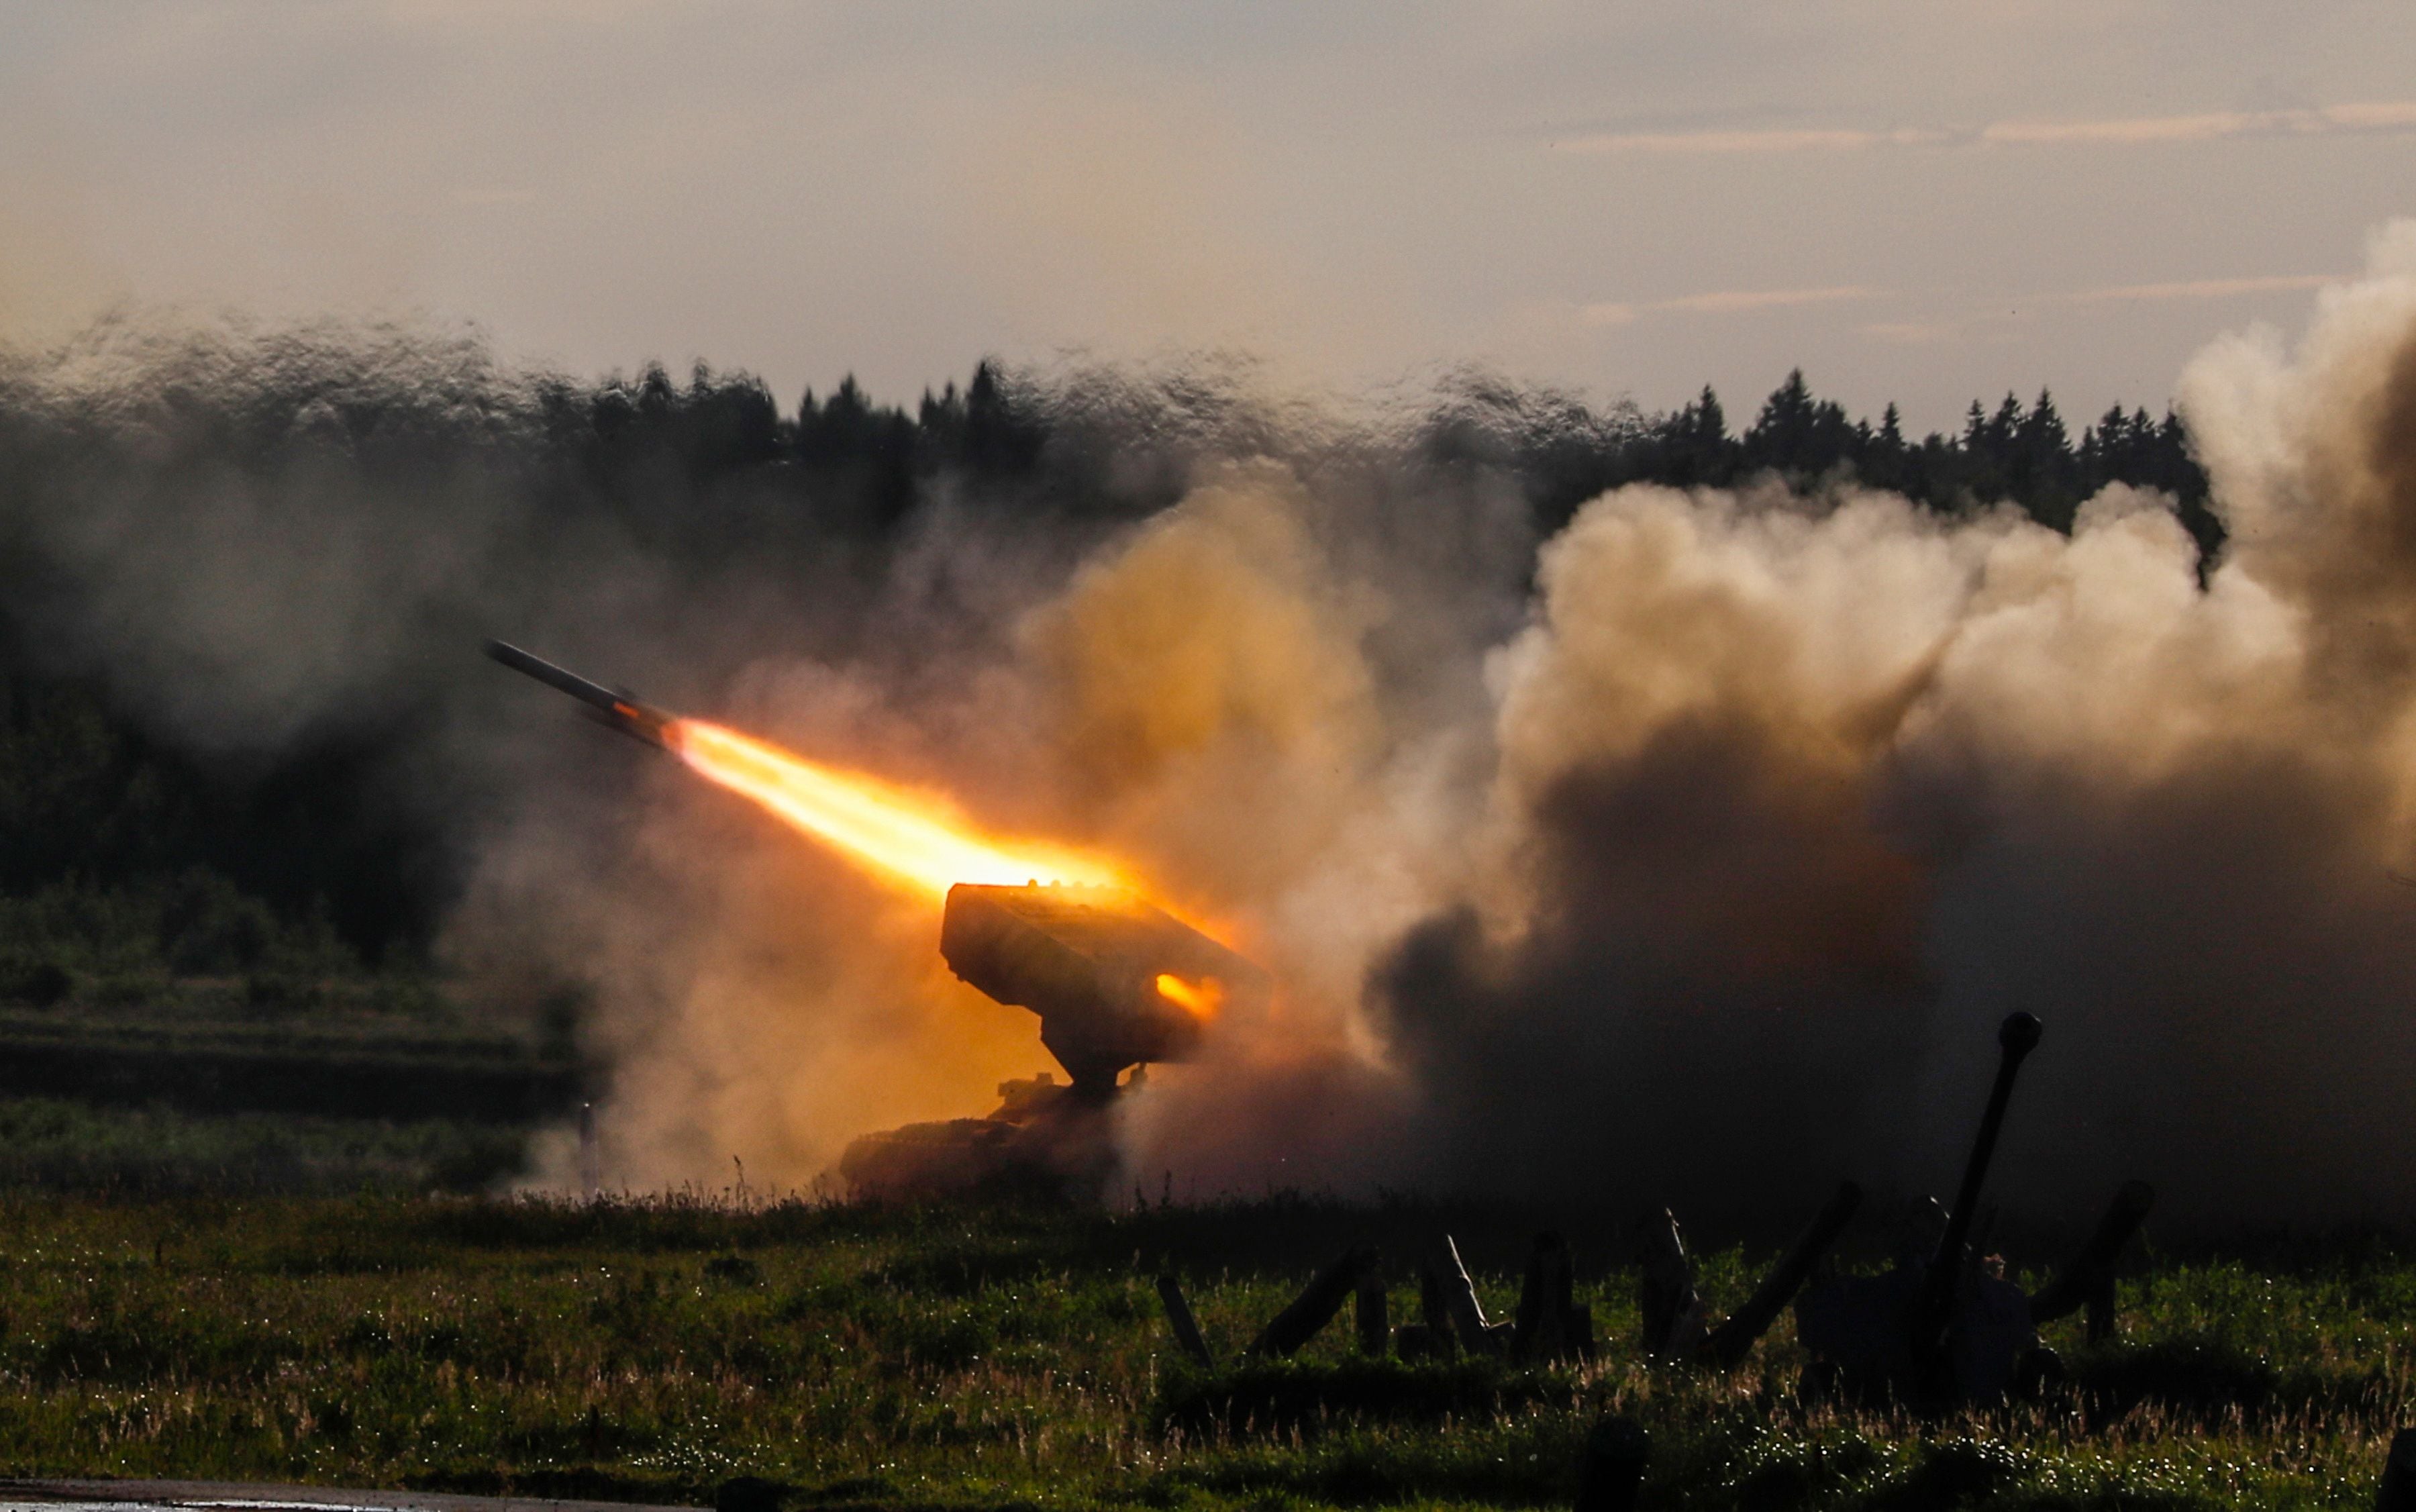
x: 2016, y: 1038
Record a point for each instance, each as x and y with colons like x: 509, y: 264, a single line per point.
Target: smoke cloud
x: 1790, y: 797
x: 1689, y: 854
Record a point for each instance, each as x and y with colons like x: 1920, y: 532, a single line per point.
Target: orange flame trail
x: 916, y: 839
x: 1200, y: 1001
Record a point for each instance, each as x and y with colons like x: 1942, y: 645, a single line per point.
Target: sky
x: 1912, y: 202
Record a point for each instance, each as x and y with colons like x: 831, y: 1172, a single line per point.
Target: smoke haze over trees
x: 105, y: 791
x: 1590, y: 777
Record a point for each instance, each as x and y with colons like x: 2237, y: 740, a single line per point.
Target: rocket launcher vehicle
x: 1116, y: 982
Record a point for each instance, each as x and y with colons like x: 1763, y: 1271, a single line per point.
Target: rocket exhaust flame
x: 1200, y: 999
x: 1116, y: 981
x: 914, y: 838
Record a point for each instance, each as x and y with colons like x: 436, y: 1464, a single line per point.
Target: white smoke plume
x: 1791, y: 798
x: 1695, y: 866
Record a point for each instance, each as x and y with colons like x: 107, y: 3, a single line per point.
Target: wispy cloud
x: 1747, y: 142
x: 2367, y: 117
x: 1721, y: 302
x: 1917, y: 332
x: 2204, y: 288
x: 1999, y: 321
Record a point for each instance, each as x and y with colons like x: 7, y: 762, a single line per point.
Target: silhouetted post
x: 1316, y: 1305
x: 1613, y: 1469
x: 1665, y: 1300
x: 2088, y: 1280
x: 1730, y: 1342
x: 591, y: 1162
x: 1434, y: 1314
x: 1375, y: 1327
x: 1545, y: 1329
x: 1186, y: 1329
x: 2397, y: 1492
x: 1460, y: 1301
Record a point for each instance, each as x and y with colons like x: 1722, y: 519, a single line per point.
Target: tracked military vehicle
x: 1118, y: 984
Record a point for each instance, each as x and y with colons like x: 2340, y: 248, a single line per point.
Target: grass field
x: 982, y: 1357
x: 138, y: 1084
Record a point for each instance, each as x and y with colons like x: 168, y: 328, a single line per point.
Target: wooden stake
x: 2087, y: 1280
x: 1665, y: 1300
x: 1730, y: 1342
x: 1460, y: 1301
x: 1186, y: 1329
x: 1375, y: 1327
x: 1434, y: 1315
x: 1316, y: 1305
x: 1545, y: 1331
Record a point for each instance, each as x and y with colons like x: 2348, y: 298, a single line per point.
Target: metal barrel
x: 2016, y: 1038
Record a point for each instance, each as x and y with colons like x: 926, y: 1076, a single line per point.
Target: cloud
x: 1722, y: 302
x: 2360, y: 118
x: 2204, y: 288
x: 1747, y: 142
x: 1993, y: 324
x: 2387, y: 115
x: 1918, y: 332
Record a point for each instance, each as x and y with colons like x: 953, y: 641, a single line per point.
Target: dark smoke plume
x: 1797, y: 795
x: 1613, y: 840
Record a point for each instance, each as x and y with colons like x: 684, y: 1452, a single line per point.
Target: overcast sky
x: 1911, y: 200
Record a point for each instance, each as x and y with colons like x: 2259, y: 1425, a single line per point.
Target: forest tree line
x: 125, y: 845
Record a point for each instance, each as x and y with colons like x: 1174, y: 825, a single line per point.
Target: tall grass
x: 654, y: 1349
x: 65, y: 1146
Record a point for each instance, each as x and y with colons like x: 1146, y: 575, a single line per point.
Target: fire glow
x: 915, y: 838
x: 1200, y: 999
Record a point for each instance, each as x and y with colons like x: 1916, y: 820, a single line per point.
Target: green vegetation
x: 232, y: 1079
x: 181, y: 799
x: 956, y: 1358
x: 58, y: 1145
x: 127, y: 1081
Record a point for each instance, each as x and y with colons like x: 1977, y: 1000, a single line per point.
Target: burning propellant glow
x: 916, y: 838
x: 1200, y: 999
